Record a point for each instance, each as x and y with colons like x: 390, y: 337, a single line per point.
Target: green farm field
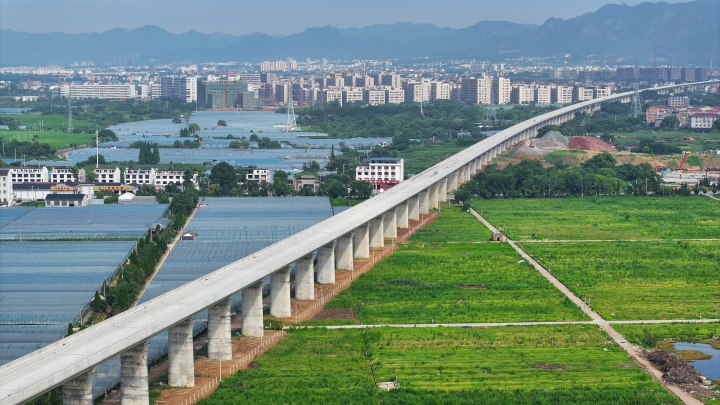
x: 638, y: 280
x: 504, y: 365
x: 454, y: 225
x: 56, y: 139
x: 418, y: 159
x: 454, y: 283
x: 687, y: 332
x: 604, y: 218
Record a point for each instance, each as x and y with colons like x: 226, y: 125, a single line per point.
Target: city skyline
x: 276, y: 17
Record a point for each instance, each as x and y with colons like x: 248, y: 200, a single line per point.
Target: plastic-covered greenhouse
x: 228, y: 229
x: 91, y: 222
x: 46, y: 285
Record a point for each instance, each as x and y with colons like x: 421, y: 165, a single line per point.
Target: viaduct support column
x: 326, y: 264
x: 252, y: 310
x: 453, y: 182
x: 345, y: 252
x: 424, y: 202
x: 219, y: 334
x: 390, y: 223
x: 78, y: 391
x: 181, y: 365
x: 433, y: 194
x: 280, y: 293
x: 414, y: 208
x: 134, y: 376
x: 305, y: 278
x: 442, y: 191
x: 402, y: 215
x: 376, y: 232
x: 362, y: 242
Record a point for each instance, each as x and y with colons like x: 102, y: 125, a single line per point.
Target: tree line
x: 599, y: 175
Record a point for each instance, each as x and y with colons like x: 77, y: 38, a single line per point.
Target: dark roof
x: 33, y: 186
x: 4, y: 172
x: 76, y: 197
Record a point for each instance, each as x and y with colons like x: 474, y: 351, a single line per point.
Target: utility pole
x: 70, y: 124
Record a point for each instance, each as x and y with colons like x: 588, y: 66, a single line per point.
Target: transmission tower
x: 70, y: 125
x: 490, y: 114
x: 290, y: 118
x: 636, y: 108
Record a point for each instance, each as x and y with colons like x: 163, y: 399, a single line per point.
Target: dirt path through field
x: 604, y: 325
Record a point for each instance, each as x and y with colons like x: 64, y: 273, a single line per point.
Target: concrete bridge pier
x: 361, y: 241
x: 390, y: 223
x: 414, y: 208
x: 424, y: 202
x: 219, y: 332
x: 377, y: 240
x: 134, y: 376
x: 453, y: 181
x: 326, y: 264
x: 345, y: 252
x: 305, y: 278
x: 442, y: 191
x: 280, y: 293
x: 252, y: 310
x: 433, y: 195
x: 78, y: 391
x: 181, y: 365
x: 402, y: 215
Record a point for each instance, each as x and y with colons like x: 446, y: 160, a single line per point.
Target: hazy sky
x: 276, y: 16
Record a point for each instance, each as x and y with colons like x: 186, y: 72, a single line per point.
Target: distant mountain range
x: 649, y: 33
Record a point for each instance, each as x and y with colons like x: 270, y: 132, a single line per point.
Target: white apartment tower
x: 477, y: 90
x: 500, y: 90
x: 179, y: 88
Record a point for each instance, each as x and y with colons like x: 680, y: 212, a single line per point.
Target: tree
x: 155, y: 154
x: 600, y: 161
x: 193, y: 128
x: 280, y: 183
x: 670, y: 122
x: 224, y: 175
x: 716, y: 124
x: 98, y: 304
x: 221, y: 123
x: 361, y: 189
x: 177, y: 119
x: 106, y: 133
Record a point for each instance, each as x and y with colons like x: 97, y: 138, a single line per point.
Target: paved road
x: 603, y: 324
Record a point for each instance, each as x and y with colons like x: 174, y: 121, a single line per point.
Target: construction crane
x: 682, y: 162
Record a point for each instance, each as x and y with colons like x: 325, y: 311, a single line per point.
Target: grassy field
x: 687, y: 332
x: 418, y: 159
x: 604, y: 218
x: 638, y: 280
x: 681, y: 139
x: 56, y: 139
x: 454, y: 225
x: 454, y: 283
x: 510, y: 365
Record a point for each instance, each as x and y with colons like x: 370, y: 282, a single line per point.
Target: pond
x: 710, y: 368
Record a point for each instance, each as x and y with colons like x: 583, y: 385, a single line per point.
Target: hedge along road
x: 597, y: 319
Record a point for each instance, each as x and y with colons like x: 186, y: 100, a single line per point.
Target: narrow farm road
x: 604, y: 325
x: 608, y: 240
x: 497, y: 324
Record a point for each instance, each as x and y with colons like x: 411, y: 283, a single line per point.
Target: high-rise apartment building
x: 179, y: 88
x: 500, y: 90
x: 439, y: 91
x: 477, y: 90
x: 561, y: 95
x: 542, y: 95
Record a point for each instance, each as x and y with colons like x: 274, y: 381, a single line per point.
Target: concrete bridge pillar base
x: 402, y: 215
x: 345, y: 252
x: 377, y: 239
x: 280, y: 293
x: 442, y: 191
x: 326, y: 264
x: 252, y: 310
x: 414, y: 208
x: 219, y: 333
x: 390, y: 223
x: 134, y: 376
x: 78, y: 391
x: 305, y: 278
x: 361, y: 242
x: 433, y: 195
x: 181, y: 365
x: 424, y: 202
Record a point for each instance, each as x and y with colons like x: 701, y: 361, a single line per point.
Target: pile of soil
x: 552, y: 141
x: 334, y: 314
x: 675, y: 369
x: 589, y: 143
